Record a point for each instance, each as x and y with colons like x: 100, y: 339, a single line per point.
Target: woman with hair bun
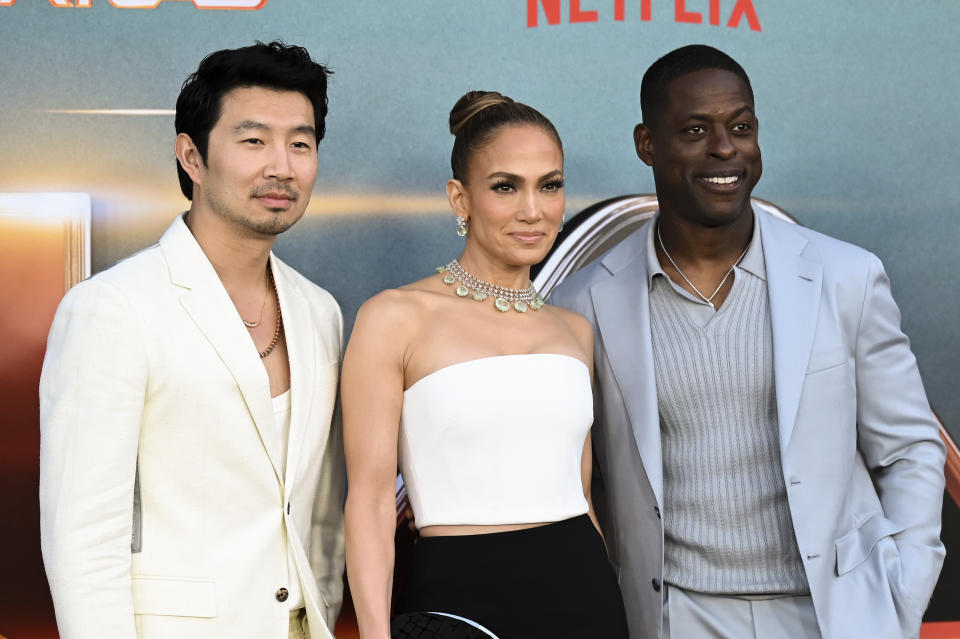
x: 481, y: 393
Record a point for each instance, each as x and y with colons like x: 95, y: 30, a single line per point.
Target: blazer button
x: 656, y: 584
x: 656, y: 509
x: 283, y: 593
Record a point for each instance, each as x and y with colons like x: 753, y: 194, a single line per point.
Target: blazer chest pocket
x: 825, y: 360
x: 854, y: 547
x: 174, y: 596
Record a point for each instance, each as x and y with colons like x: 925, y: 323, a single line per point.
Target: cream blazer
x: 163, y: 511
x: 861, y: 454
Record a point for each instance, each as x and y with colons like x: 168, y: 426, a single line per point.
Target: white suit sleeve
x: 327, y: 554
x: 899, y: 439
x: 91, y: 401
x: 327, y: 551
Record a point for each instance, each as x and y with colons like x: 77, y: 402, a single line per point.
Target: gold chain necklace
x: 279, y: 326
x: 263, y: 305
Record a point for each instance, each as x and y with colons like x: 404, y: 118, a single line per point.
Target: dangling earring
x: 461, y: 226
x: 562, y: 220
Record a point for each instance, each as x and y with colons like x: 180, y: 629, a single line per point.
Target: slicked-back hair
x: 688, y: 59
x: 276, y: 66
x: 478, y: 115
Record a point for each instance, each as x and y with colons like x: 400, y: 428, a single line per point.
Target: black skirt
x: 552, y: 581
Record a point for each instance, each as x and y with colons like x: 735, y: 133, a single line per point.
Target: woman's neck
x: 494, y: 271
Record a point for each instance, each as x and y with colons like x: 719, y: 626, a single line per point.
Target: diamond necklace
x: 708, y: 300
x: 519, y: 298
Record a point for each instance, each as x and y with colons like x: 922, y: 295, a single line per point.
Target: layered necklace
x: 708, y: 300
x: 519, y: 299
x: 263, y: 305
x: 279, y: 324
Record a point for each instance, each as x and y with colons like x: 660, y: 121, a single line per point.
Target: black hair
x: 476, y: 117
x: 688, y: 59
x: 274, y: 66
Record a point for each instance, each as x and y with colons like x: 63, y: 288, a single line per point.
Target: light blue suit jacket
x: 861, y: 454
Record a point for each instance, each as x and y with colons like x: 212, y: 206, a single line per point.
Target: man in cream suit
x: 192, y: 478
x: 769, y: 463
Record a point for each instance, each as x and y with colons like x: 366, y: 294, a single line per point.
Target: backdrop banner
x: 856, y: 102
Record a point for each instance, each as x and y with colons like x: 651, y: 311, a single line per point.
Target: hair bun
x: 472, y: 103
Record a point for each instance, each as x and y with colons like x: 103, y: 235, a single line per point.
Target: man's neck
x: 694, y: 243
x: 240, y: 259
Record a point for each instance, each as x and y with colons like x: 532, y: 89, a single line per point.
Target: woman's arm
x: 586, y: 473
x: 583, y: 332
x: 372, y: 396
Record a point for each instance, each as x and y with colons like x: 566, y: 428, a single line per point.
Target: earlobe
x: 188, y: 156
x: 456, y: 196
x: 643, y: 143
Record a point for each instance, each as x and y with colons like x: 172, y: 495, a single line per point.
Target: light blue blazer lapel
x: 300, y: 335
x: 210, y: 307
x: 794, y: 283
x: 622, y: 304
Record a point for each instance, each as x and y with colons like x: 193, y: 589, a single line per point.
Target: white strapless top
x: 497, y: 440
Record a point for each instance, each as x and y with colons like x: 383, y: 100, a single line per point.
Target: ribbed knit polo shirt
x: 727, y: 523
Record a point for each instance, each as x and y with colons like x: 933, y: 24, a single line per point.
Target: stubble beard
x: 273, y: 225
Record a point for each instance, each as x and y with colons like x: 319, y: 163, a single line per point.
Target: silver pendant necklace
x: 708, y: 300
x: 520, y: 299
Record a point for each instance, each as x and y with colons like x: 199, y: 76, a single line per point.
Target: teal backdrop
x: 856, y: 100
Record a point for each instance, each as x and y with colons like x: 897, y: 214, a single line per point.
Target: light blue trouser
x: 694, y: 615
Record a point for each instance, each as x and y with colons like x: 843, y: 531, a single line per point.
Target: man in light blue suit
x: 769, y: 464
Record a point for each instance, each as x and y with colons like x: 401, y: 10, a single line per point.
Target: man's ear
x: 189, y: 157
x: 643, y: 143
x: 457, y: 197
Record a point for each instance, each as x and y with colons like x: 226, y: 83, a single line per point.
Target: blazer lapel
x: 210, y: 307
x: 299, y: 333
x: 793, y: 286
x: 622, y: 304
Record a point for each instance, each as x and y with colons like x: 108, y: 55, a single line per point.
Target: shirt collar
x: 752, y: 261
x: 653, y: 264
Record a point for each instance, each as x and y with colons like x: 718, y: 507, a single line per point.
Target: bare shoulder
x: 385, y: 309
x: 396, y: 310
x: 575, y: 323
x: 428, y: 284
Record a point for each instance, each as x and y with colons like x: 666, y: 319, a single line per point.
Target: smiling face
x: 261, y: 161
x: 512, y: 198
x: 703, y: 148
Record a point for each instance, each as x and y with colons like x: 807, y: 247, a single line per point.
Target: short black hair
x: 688, y: 59
x: 273, y: 66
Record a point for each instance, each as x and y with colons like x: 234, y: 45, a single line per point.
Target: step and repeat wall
x: 856, y: 102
